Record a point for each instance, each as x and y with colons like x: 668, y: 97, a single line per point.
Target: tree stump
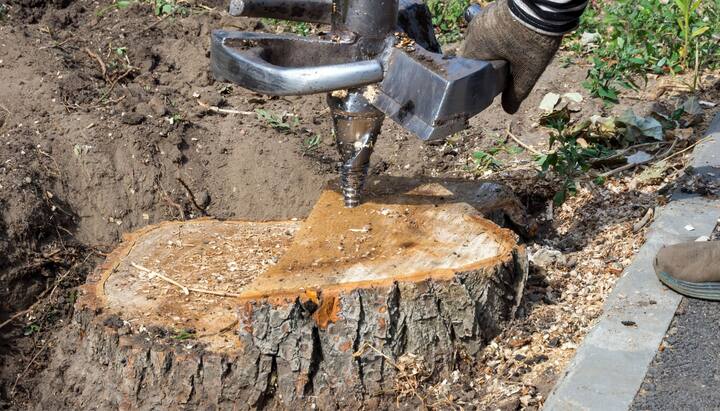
x: 209, y: 314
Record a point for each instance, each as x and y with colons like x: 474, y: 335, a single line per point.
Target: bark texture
x: 334, y: 346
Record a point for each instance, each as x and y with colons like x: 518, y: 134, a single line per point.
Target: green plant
x: 642, y: 37
x: 3, y: 11
x: 311, y: 143
x: 284, y: 122
x: 296, y: 27
x: 448, y: 18
x: 689, y: 30
x: 485, y: 161
x: 169, y: 7
x: 31, y: 329
x: 183, y: 335
x: 571, y: 158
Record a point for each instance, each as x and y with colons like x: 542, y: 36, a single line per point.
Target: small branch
x: 15, y: 317
x: 170, y: 202
x: 192, y: 196
x: 664, y: 156
x: 633, y: 165
x: 155, y: 23
x: 162, y: 277
x: 58, y: 44
x: 216, y: 109
x: 27, y: 368
x: 359, y: 353
x: 185, y: 290
x: 520, y: 143
x: 42, y: 295
x: 688, y: 148
x: 103, y: 68
x: 114, y: 82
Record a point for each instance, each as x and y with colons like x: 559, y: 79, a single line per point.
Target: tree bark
x: 207, y: 314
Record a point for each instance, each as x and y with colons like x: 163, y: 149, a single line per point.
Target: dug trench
x: 110, y: 121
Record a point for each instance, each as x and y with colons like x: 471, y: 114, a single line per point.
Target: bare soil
x: 104, y: 128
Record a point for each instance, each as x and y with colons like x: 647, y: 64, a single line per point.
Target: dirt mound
x: 104, y: 128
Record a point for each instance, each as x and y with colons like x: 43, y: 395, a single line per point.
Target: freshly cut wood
x: 231, y: 315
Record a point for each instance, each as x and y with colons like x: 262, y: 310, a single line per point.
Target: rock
x: 547, y: 257
x: 158, y: 107
x: 213, y: 99
x: 132, y: 119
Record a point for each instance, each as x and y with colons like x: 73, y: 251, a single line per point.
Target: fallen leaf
x: 653, y: 173
x: 683, y: 133
x: 692, y: 106
x: 637, y: 126
x: 639, y: 158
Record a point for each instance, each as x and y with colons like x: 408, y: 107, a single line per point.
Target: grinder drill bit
x: 357, y: 125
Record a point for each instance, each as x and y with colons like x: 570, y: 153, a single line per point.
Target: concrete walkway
x: 612, y: 362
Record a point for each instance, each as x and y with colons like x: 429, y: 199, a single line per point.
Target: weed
x: 571, y: 158
x: 311, y: 143
x: 168, y: 8
x: 485, y: 161
x: 645, y: 36
x: 284, y: 122
x: 296, y: 27
x: 3, y: 11
x: 688, y: 31
x: 31, y: 329
x: 448, y: 18
x: 160, y: 7
x: 183, y: 335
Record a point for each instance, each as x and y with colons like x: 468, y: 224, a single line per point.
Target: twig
x: 32, y: 361
x: 520, y: 143
x: 216, y: 109
x: 639, y: 163
x: 167, y: 199
x: 103, y: 68
x: 192, y: 196
x: 365, y: 346
x: 155, y: 23
x: 15, y: 317
x: 702, y: 140
x: 42, y: 295
x: 665, y: 156
x: 57, y: 44
x: 182, y: 288
x: 114, y: 82
x: 185, y: 290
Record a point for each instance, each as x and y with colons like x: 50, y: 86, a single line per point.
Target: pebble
x: 157, y: 106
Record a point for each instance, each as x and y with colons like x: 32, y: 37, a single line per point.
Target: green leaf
x: 608, y: 93
x: 699, y: 31
x: 123, y: 4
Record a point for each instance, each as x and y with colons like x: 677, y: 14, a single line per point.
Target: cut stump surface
x: 230, y: 314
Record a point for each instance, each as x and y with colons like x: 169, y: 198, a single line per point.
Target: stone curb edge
x: 611, y: 363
